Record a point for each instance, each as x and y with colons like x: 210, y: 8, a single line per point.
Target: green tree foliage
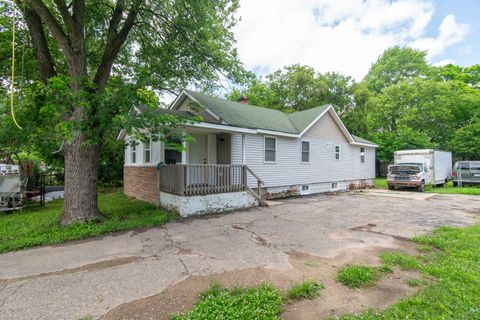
x: 296, y: 88
x: 397, y: 64
x: 94, y: 61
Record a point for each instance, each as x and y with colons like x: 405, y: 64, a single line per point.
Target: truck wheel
x: 455, y: 184
x: 421, y: 187
x: 391, y: 187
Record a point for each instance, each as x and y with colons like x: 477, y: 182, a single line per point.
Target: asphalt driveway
x: 94, y: 277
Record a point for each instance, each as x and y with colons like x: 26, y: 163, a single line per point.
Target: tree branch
x: 46, y: 66
x: 41, y: 10
x: 67, y: 18
x: 115, y: 41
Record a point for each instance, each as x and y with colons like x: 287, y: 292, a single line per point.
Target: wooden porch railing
x: 202, y: 179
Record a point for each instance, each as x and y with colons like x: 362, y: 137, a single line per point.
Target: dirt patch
x: 335, y: 299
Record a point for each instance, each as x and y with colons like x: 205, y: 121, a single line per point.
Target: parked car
x: 466, y: 172
x: 418, y: 168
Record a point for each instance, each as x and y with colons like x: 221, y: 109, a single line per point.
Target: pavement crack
x: 88, y: 267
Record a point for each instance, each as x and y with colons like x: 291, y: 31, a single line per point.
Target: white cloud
x: 333, y: 35
x: 445, y: 62
x: 449, y: 33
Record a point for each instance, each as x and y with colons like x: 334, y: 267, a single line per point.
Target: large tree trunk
x: 81, y: 177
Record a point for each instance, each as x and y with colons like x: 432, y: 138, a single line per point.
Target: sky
x: 347, y: 36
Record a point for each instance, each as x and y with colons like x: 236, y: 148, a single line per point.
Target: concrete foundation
x: 205, y: 204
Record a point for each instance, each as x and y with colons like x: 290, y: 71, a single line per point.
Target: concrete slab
x: 90, y: 278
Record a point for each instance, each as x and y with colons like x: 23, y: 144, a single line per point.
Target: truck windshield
x: 405, y: 168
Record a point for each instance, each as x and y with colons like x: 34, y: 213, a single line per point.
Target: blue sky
x: 347, y: 36
x: 467, y: 52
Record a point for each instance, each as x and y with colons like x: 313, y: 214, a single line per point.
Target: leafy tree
x: 469, y: 75
x: 94, y: 58
x: 296, y: 88
x: 466, y: 140
x: 397, y: 64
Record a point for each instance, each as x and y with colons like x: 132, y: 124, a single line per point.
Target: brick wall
x: 141, y: 183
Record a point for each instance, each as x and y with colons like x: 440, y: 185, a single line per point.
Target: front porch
x: 193, y: 189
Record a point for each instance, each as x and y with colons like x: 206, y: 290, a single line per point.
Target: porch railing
x: 202, y: 179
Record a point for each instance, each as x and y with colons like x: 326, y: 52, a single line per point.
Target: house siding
x: 288, y: 171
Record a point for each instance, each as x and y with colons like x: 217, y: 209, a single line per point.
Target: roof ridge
x: 234, y: 102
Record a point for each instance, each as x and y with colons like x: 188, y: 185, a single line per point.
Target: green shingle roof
x: 302, y: 119
x: 361, y: 140
x: 249, y: 116
x: 245, y: 115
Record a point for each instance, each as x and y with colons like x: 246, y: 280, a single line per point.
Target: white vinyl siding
x: 305, y: 151
x: 156, y: 154
x: 270, y: 149
x: 323, y: 167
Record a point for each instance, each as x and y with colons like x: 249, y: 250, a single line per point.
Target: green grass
x: 404, y: 261
x: 39, y: 226
x: 356, y: 276
x: 454, y: 292
x: 261, y: 303
x: 308, y: 289
x: 381, y: 183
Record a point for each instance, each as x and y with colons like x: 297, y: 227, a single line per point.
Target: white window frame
x: 264, y: 149
x: 363, y: 155
x: 335, y: 153
x: 133, y: 153
x: 309, y: 151
x: 149, y: 149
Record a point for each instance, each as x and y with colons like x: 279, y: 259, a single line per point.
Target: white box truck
x: 417, y: 168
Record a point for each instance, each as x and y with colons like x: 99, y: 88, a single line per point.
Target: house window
x: 270, y: 149
x: 134, y: 153
x: 305, y: 151
x: 362, y: 154
x: 147, y: 147
x: 337, y: 152
x: 334, y: 185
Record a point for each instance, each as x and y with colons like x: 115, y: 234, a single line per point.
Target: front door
x: 197, y: 150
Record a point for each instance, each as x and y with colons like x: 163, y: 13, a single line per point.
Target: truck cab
x: 409, y: 174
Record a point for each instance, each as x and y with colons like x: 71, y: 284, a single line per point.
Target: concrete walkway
x: 89, y: 278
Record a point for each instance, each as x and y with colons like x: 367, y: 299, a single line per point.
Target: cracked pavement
x: 91, y: 277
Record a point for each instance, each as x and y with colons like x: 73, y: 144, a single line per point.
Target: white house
x: 242, y: 154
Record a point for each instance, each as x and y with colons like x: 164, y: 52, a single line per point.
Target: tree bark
x: 81, y: 178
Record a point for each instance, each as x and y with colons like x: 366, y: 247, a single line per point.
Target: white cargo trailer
x: 438, y: 163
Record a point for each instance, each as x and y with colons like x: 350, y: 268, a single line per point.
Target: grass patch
x: 260, y: 303
x: 308, y: 289
x: 455, y: 291
x: 404, y: 261
x: 414, y: 282
x: 39, y: 226
x: 356, y: 276
x: 381, y: 183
